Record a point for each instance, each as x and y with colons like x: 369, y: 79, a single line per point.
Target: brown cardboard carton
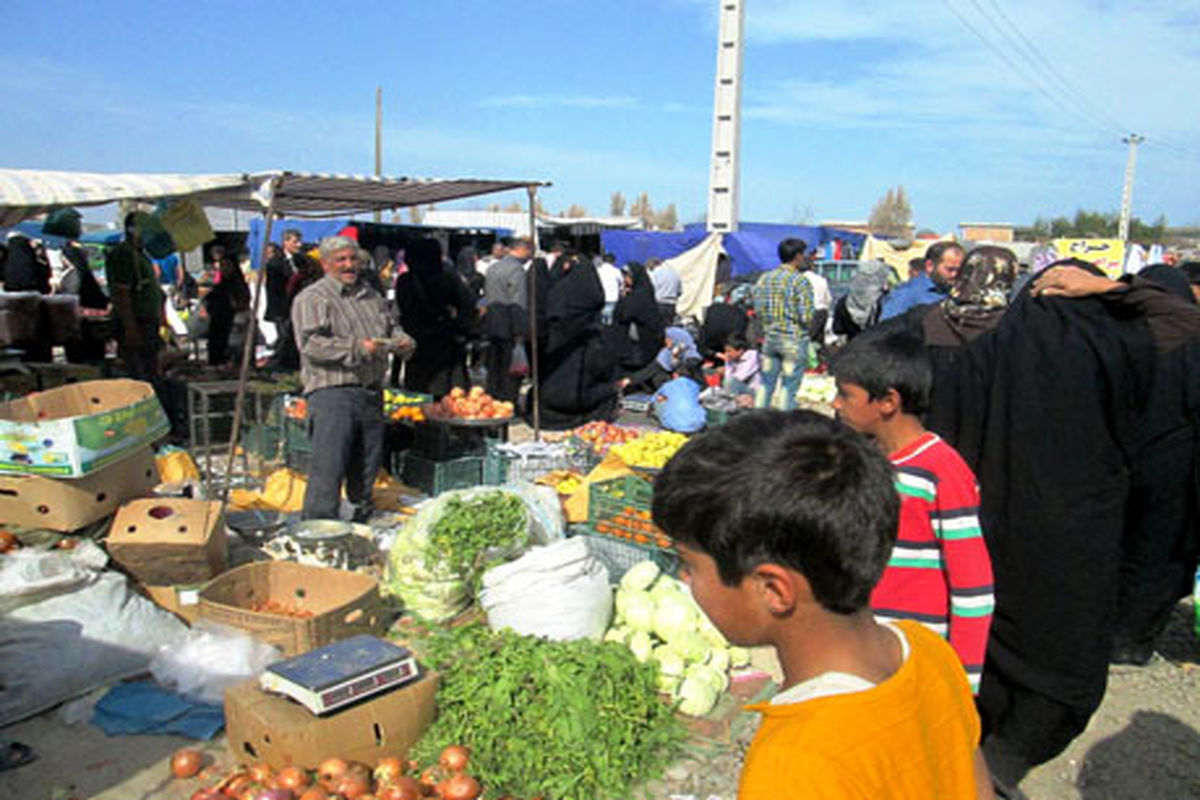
x: 266, y: 727
x: 31, y: 501
x: 78, y: 429
x: 169, y: 540
x: 336, y: 604
x: 182, y: 601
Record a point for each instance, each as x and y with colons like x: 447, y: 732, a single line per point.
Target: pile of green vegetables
x: 439, y: 557
x: 576, y: 720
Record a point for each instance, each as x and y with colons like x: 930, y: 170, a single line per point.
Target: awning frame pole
x: 251, y: 335
x: 533, y: 326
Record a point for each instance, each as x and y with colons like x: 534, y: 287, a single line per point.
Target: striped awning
x: 27, y: 193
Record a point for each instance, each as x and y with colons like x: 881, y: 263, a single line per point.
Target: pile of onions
x: 337, y: 778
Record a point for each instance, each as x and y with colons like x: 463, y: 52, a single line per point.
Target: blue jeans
x: 783, y: 360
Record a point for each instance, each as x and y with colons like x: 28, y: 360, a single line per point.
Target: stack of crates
x: 619, y: 521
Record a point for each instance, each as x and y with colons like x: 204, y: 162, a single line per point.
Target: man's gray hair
x: 335, y: 244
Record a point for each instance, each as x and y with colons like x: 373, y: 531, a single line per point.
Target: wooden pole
x: 251, y: 335
x: 533, y: 326
x: 378, y: 139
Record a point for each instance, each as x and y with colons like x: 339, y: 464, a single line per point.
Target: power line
x: 1052, y: 85
x: 1053, y: 73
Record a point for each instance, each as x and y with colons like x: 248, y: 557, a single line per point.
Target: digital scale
x: 341, y: 673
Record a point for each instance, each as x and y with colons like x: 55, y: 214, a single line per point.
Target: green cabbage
x: 638, y: 610
x: 640, y: 576
x: 641, y: 645
x: 697, y: 697
x: 673, y: 615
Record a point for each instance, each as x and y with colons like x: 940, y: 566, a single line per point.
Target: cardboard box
x: 169, y: 540
x: 266, y: 727
x: 341, y: 603
x: 182, y: 601
x: 30, y: 501
x: 78, y: 429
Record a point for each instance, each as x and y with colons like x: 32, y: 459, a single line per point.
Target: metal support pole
x: 533, y: 327
x: 378, y: 139
x: 251, y: 335
x: 1133, y: 140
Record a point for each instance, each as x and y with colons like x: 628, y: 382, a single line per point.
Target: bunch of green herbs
x: 471, y: 530
x: 577, y: 720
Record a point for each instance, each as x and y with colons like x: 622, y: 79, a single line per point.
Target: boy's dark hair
x: 789, y: 249
x: 789, y: 488
x: 878, y: 361
x: 938, y: 249
x: 737, y: 341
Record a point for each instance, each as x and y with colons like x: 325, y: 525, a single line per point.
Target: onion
x: 352, y: 787
x: 292, y: 778
x: 388, y: 770
x: 261, y: 773
x: 250, y: 792
x: 430, y: 778
x: 461, y: 787
x: 8, y: 541
x: 186, y: 763
x: 405, y: 788
x: 455, y: 758
x: 207, y: 794
x: 275, y: 794
x: 331, y: 771
x: 314, y: 793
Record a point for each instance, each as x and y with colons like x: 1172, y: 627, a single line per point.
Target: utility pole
x: 378, y: 138
x: 727, y: 110
x: 1133, y: 140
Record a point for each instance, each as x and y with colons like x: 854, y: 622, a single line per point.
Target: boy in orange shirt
x: 784, y: 523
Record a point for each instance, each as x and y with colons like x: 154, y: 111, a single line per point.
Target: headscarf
x: 680, y: 348
x: 1173, y: 279
x: 977, y: 299
x: 23, y: 270
x: 869, y: 283
x: 574, y: 300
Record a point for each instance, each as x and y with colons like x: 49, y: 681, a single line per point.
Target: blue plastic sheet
x: 145, y: 707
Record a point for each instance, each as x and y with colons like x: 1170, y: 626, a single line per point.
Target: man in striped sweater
x: 939, y: 573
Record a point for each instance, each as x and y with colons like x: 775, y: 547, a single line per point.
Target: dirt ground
x: 1143, y: 744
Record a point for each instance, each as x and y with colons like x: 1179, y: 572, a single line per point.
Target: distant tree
x: 539, y: 209
x: 892, y: 214
x: 415, y: 215
x: 667, y: 219
x: 1095, y: 225
x: 493, y: 207
x: 575, y: 211
x: 616, y: 204
x: 514, y: 206
x: 642, y: 209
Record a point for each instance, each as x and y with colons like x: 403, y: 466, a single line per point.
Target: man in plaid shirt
x: 783, y: 300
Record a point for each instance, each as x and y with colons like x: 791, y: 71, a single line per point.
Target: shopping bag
x: 64, y: 222
x: 519, y: 365
x: 187, y: 224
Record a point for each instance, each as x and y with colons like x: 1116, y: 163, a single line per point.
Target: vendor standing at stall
x: 344, y: 331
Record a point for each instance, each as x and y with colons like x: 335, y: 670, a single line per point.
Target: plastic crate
x: 440, y: 442
x: 434, y: 477
x: 500, y: 466
x: 715, y: 417
x: 620, y: 508
x: 619, y: 556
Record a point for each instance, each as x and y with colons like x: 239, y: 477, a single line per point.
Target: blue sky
x: 841, y: 100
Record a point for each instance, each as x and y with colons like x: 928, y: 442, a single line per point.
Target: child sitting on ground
x: 742, y: 370
x: 784, y: 522
x: 939, y: 573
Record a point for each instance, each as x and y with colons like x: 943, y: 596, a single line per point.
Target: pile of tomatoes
x: 338, y: 779
x: 473, y: 404
x: 600, y: 436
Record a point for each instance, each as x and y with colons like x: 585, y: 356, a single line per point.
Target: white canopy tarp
x: 27, y: 193
x: 697, y: 270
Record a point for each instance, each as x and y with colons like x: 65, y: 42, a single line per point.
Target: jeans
x: 783, y: 361
x: 346, y: 426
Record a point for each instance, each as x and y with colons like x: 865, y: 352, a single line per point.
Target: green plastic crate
x: 500, y: 467
x: 435, y: 477
x: 607, y: 499
x: 619, y: 556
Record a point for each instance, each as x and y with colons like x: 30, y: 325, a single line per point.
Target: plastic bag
x: 187, y: 224
x: 428, y: 587
x: 27, y: 576
x: 211, y: 659
x: 519, y: 365
x: 71, y: 643
x: 560, y: 591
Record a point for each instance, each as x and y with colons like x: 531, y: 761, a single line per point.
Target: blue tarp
x: 642, y: 245
x: 311, y: 230
x: 752, y: 248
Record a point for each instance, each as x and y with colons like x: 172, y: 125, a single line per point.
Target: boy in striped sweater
x: 939, y: 573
